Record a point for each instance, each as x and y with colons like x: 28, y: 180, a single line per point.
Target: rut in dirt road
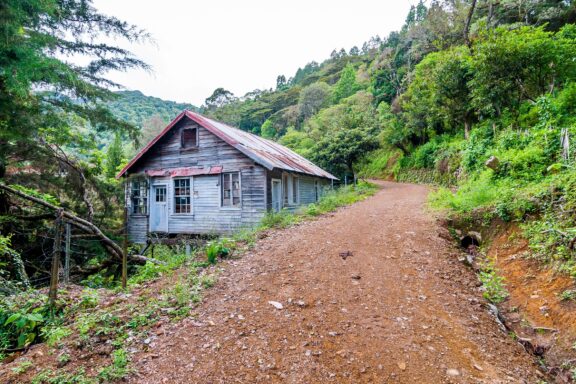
x: 400, y: 309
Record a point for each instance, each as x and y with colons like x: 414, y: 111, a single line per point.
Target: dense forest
x: 475, y: 96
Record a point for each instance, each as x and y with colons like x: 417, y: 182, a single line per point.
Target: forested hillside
x: 149, y: 113
x: 461, y: 83
x: 137, y: 108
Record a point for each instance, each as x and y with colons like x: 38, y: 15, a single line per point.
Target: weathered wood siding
x: 207, y: 216
x: 273, y: 174
x: 307, y: 190
x: 211, y: 151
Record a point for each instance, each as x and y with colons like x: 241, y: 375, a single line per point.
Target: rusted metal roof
x: 265, y: 152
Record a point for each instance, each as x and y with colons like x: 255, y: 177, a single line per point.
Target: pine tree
x: 39, y: 88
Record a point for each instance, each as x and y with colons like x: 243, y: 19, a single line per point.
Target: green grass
x: 377, y: 163
x: 329, y: 202
x: 341, y: 197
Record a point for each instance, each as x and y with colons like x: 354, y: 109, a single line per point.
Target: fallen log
x: 111, y: 247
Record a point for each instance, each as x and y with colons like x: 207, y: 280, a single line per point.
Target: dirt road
x: 401, y: 309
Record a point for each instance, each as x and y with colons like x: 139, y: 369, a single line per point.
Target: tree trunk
x: 490, y: 15
x: 467, y: 129
x: 468, y: 22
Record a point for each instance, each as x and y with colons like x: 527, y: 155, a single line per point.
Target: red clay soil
x: 401, y: 309
x: 534, y: 310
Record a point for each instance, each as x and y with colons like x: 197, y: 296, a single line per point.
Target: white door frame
x: 280, y: 200
x: 153, y: 202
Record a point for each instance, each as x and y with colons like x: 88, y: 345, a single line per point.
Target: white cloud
x: 242, y: 45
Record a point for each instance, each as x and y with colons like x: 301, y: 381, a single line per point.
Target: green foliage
x: 89, y: 298
x: 216, y: 249
x: 341, y: 197
x: 492, y: 284
x: 267, y: 130
x: 40, y: 87
x: 345, y: 132
x: 282, y: 219
x: 54, y: 334
x: 138, y: 109
x: 346, y: 85
x: 151, y: 271
x: 313, y: 98
x: 114, y: 156
x: 49, y: 377
x: 378, y: 163
x: 512, y: 65
x: 22, y: 367
x: 118, y: 369
x: 21, y: 319
x: 568, y: 295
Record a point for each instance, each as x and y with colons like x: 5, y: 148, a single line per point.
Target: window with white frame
x: 182, y: 196
x: 230, y: 186
x: 139, y: 197
x: 295, y: 198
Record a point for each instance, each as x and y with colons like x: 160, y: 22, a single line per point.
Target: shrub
x: 118, y: 369
x: 21, y: 320
x: 425, y: 155
x: 478, y: 192
x: 216, y: 249
x: 493, y: 284
x: 282, y: 219
x: 54, y: 334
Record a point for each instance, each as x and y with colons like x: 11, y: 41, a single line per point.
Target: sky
x: 241, y: 45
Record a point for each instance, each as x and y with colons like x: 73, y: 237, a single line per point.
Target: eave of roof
x: 264, y: 152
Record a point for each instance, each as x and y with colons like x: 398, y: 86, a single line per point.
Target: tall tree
x: 39, y: 88
x: 219, y: 98
x: 114, y: 156
x: 313, y: 98
x: 346, y: 85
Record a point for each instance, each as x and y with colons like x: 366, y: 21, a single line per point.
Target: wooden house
x: 200, y: 176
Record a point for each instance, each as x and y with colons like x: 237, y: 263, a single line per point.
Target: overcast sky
x: 242, y: 45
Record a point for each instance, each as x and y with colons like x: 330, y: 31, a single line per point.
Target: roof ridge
x: 265, y: 152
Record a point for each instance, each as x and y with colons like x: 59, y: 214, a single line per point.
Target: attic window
x: 189, y: 138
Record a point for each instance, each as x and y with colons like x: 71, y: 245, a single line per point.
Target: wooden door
x: 159, y: 209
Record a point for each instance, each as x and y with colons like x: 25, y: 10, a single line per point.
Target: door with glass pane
x: 159, y: 209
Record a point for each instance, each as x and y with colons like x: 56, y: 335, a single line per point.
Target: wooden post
x: 125, y: 250
x: 67, y: 255
x: 53, y: 292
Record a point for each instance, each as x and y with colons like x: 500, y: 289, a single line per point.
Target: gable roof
x: 265, y: 152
